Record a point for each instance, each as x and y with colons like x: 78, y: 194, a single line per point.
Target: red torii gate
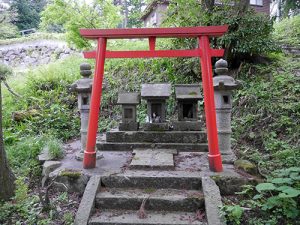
x: 204, y: 52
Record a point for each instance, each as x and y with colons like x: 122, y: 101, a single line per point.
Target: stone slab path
x: 153, y: 159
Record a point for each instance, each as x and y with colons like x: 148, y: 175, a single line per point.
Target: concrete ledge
x: 87, y: 203
x: 187, y: 125
x: 129, y: 126
x: 156, y: 126
x: 182, y: 147
x: 213, y: 202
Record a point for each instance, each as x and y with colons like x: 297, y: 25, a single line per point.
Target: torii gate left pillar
x: 204, y: 52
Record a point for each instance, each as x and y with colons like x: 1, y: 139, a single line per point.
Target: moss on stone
x: 71, y: 173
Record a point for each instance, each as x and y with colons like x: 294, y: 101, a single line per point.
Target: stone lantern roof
x: 83, y: 85
x: 129, y: 98
x: 222, y: 81
x: 156, y: 91
x: 188, y: 92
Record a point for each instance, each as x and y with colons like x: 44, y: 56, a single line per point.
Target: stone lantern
x: 83, y: 87
x: 223, y: 86
x: 129, y: 101
x: 156, y: 96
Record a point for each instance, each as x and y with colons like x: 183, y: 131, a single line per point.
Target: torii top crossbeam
x: 204, y: 52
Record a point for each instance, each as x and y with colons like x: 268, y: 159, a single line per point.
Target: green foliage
x: 249, y: 32
x: 22, y: 155
x: 27, y: 13
x: 287, y: 31
x: 266, y: 115
x: 54, y: 147
x: 7, y: 28
x: 281, y: 192
x: 289, y: 5
x: 73, y: 15
x: 33, y: 37
x: 233, y: 213
x: 5, y: 71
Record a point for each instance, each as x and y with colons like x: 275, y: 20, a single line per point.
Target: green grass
x: 287, y: 31
x: 33, y: 37
x: 266, y: 115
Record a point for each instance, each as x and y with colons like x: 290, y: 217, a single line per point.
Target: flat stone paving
x: 114, y: 162
x: 153, y: 159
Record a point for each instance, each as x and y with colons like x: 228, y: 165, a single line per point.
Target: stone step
x: 155, y: 199
x: 156, y: 136
x: 118, y: 217
x: 154, y: 179
x: 181, y: 147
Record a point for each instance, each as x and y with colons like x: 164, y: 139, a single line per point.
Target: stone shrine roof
x: 156, y: 91
x: 129, y: 98
x: 188, y: 92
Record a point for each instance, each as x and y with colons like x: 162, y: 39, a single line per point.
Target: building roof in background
x: 152, y: 5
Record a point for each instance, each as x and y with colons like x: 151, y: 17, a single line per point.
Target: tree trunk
x: 7, y: 178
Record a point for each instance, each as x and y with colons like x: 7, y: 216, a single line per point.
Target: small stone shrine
x: 156, y: 96
x: 129, y: 101
x: 187, y: 97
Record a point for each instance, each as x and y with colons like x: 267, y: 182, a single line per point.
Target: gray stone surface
x: 45, y: 155
x: 87, y: 203
x: 121, y: 146
x: 117, y: 217
x: 156, y: 91
x: 213, y: 202
x: 181, y: 179
x: 49, y: 166
x: 187, y: 125
x: 129, y: 126
x: 158, y: 199
x: 153, y: 159
x: 129, y: 98
x: 69, y: 180
x: 33, y: 53
x: 156, y: 126
x: 188, y: 91
x: 156, y: 136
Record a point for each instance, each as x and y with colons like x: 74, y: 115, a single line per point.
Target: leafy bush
x: 73, y: 15
x: 273, y: 202
x: 249, y: 32
x: 287, y: 31
x: 266, y: 115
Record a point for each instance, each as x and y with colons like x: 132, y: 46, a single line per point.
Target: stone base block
x: 129, y: 126
x: 187, y: 125
x: 156, y: 126
x: 80, y: 155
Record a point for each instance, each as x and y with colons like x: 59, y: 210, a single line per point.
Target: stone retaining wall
x: 34, y: 53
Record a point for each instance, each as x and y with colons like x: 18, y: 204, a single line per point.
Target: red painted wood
x: 154, y: 54
x: 204, y: 52
x: 212, y: 31
x: 214, y: 156
x: 89, y: 160
x: 152, y: 41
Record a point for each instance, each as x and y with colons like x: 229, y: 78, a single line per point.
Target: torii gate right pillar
x: 214, y: 156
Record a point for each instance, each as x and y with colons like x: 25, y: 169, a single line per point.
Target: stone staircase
x: 149, y: 197
x: 182, y: 141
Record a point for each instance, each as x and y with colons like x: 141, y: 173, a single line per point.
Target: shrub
x: 249, y: 32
